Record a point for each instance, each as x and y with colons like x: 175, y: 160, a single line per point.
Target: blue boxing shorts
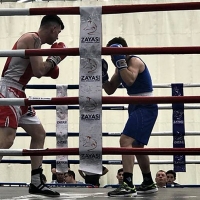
x: 141, y: 122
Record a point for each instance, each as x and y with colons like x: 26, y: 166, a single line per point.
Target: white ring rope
x: 168, y: 85
x: 157, y: 162
x: 185, y: 107
x: 11, y: 152
x: 163, y: 85
x: 167, y: 133
x: 12, y: 53
x: 12, y: 101
x: 14, y: 11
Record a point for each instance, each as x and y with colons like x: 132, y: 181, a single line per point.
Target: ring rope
x: 186, y: 107
x: 105, y: 9
x: 105, y: 51
x: 105, y: 151
x: 47, y: 86
x: 115, y: 134
x: 24, y: 151
x: 105, y: 100
x: 106, y: 162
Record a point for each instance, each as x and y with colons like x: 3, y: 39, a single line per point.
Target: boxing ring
x: 46, y: 103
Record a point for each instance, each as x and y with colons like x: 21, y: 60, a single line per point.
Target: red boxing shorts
x: 12, y: 116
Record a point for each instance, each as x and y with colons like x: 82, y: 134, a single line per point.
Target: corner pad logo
x: 91, y: 78
x: 90, y: 29
x: 90, y: 105
x: 61, y: 159
x: 61, y: 91
x: 179, y: 159
x: 62, y: 114
x: 90, y: 65
x: 176, y: 91
x: 179, y: 138
x: 89, y: 142
x: 178, y: 117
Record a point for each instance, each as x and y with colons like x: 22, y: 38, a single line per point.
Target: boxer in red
x: 16, y: 74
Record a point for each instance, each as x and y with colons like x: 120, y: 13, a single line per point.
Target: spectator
x: 120, y: 176
x: 91, y: 178
x: 53, y: 170
x: 70, y: 178
x: 171, y: 177
x: 59, y: 178
x: 161, y: 179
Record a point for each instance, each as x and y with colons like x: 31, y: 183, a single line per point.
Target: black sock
x: 147, y: 179
x: 37, y: 171
x: 128, y: 179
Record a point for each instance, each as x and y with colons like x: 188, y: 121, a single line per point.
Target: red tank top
x: 18, y: 69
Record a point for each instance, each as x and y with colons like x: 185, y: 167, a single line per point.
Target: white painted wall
x: 175, y: 28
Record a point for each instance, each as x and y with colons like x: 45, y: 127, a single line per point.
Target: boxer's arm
x: 53, y: 73
x: 111, y: 86
x: 130, y: 74
x: 105, y: 76
x: 32, y: 41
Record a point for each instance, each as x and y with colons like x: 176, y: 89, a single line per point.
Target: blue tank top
x: 143, y: 82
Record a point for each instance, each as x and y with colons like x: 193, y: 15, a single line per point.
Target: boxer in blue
x: 133, y: 74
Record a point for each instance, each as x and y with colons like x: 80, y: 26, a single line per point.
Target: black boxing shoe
x: 42, y: 190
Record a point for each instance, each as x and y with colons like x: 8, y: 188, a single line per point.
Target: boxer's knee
x: 7, y: 136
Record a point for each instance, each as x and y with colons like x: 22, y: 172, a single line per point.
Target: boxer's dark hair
x: 52, y: 18
x: 117, y: 40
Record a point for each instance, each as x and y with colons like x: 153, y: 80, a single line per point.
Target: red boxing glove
x: 55, y: 60
x: 53, y: 73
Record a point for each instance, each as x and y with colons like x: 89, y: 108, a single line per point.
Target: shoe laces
x: 149, y: 185
x: 121, y: 186
x: 125, y: 186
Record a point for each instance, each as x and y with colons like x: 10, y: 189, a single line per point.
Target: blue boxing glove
x: 104, y: 71
x: 119, y: 60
